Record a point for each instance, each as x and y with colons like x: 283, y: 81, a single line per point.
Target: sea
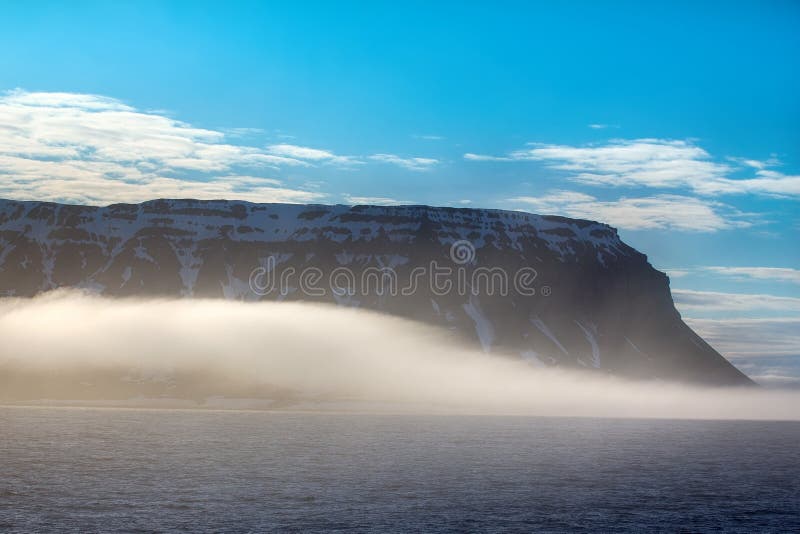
x: 148, y: 470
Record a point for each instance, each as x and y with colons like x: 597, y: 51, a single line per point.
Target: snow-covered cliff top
x: 245, y: 221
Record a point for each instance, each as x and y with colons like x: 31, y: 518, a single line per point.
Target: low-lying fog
x: 68, y: 346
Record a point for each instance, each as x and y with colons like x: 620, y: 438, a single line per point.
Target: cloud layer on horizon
x: 779, y: 274
x: 687, y: 300
x: 766, y: 349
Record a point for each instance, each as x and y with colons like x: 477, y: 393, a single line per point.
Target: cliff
x: 552, y: 290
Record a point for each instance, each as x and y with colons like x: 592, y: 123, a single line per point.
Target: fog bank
x: 71, y: 346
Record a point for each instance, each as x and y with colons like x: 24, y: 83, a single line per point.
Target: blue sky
x: 677, y: 122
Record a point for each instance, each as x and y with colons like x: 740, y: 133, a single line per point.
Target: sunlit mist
x: 68, y: 346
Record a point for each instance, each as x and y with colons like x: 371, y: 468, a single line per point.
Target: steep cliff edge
x: 552, y: 290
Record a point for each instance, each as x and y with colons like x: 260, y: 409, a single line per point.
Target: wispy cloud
x: 657, y: 212
x: 765, y: 182
x: 755, y: 163
x: 651, y: 162
x: 97, y: 190
x: 97, y: 150
x: 412, y: 164
x: 381, y: 201
x: 744, y: 274
x: 483, y: 157
x: 709, y: 301
x: 429, y: 137
x: 597, y: 126
x: 311, y: 154
x: 657, y: 163
x: 780, y: 274
x: 242, y: 132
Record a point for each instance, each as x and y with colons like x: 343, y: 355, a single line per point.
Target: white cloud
x: 312, y: 154
x: 755, y: 163
x: 781, y: 274
x: 658, y: 163
x: 380, y: 201
x: 429, y: 137
x: 483, y: 157
x: 687, y: 300
x: 650, y: 162
x: 242, y: 132
x: 413, y: 164
x: 68, y: 100
x: 97, y: 150
x: 766, y: 182
x: 658, y: 212
x: 774, y: 274
x: 91, y: 189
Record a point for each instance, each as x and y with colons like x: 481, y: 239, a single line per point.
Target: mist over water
x: 66, y: 346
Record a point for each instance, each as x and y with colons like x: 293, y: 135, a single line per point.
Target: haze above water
x: 66, y: 346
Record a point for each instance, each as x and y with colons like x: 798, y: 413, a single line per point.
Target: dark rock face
x: 552, y: 290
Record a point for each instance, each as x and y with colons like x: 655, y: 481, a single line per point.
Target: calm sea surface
x: 146, y: 470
